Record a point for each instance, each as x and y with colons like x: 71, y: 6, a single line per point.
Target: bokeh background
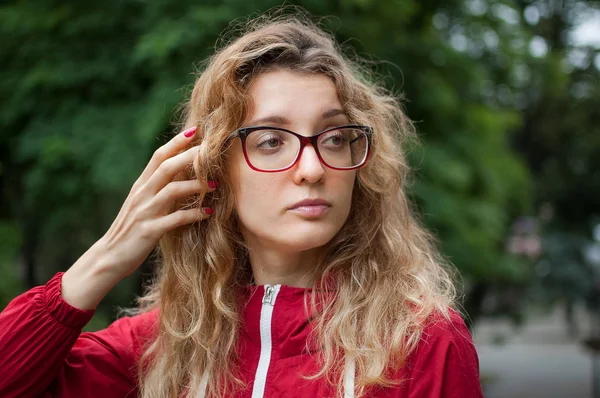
x: 505, y: 96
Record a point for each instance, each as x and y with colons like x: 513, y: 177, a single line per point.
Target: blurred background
x: 505, y: 96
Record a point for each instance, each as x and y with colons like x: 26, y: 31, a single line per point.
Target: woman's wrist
x: 90, y: 278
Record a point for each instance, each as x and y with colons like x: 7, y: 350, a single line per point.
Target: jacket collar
x: 291, y: 323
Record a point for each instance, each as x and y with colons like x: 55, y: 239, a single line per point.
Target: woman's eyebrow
x: 332, y: 113
x: 282, y: 120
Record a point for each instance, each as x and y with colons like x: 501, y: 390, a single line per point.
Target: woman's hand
x: 143, y: 219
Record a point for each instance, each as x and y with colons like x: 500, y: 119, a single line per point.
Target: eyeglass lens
x: 274, y: 149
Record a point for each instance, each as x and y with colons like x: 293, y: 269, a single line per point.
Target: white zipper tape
x: 266, y: 315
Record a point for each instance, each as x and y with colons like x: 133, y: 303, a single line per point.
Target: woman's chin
x: 305, y: 240
x: 296, y: 236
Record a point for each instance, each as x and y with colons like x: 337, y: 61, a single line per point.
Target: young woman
x: 292, y: 265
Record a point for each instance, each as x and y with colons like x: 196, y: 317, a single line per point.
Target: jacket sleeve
x: 445, y: 365
x: 43, y: 352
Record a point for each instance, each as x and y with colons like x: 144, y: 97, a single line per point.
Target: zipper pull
x: 268, y: 297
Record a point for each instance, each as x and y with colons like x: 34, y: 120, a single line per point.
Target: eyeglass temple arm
x: 236, y: 133
x: 357, y: 138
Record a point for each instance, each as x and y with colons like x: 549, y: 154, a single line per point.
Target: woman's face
x: 307, y: 105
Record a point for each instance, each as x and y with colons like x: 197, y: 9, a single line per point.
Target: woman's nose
x: 309, y: 166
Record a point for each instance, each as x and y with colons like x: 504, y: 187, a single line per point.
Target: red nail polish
x: 208, y: 210
x: 213, y: 184
x: 190, y: 132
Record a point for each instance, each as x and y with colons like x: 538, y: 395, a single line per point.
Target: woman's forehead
x: 281, y: 96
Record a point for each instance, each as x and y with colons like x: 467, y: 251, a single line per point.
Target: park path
x: 537, y: 361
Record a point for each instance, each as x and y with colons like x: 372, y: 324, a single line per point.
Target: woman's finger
x: 166, y: 151
x: 166, y: 172
x: 180, y: 218
x: 178, y: 189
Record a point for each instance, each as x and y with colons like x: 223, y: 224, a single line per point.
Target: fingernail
x: 190, y: 132
x: 208, y: 211
x: 213, y: 184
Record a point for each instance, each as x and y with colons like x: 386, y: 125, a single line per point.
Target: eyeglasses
x: 272, y: 149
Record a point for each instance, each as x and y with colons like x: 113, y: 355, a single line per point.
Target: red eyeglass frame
x: 243, y: 133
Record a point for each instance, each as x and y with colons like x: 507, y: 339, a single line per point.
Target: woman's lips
x: 313, y: 211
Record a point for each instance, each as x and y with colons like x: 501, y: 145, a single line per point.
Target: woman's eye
x: 335, y: 140
x: 272, y: 142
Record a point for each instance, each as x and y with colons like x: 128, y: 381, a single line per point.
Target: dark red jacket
x: 43, y: 352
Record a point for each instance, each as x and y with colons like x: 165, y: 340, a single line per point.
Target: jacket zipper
x: 266, y: 314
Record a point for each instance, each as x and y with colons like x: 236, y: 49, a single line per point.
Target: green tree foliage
x: 561, y: 142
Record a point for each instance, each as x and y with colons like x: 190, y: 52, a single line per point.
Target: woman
x: 292, y: 264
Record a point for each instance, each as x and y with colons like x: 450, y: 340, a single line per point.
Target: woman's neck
x: 272, y: 267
